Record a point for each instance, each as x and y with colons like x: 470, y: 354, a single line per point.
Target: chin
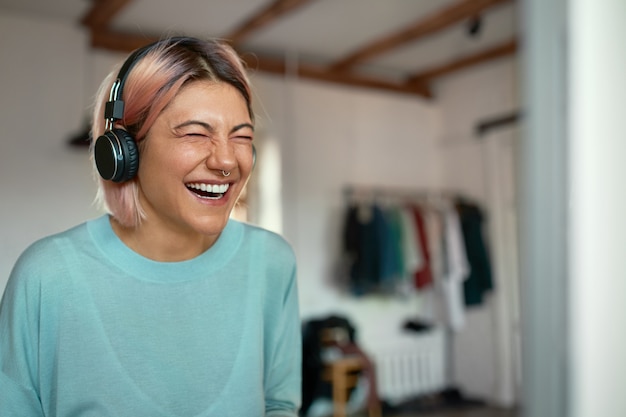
x: 211, y: 225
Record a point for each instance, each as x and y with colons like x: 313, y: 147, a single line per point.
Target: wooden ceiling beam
x: 277, y: 66
x: 102, y: 13
x: 504, y: 49
x: 127, y: 42
x: 420, y: 29
x: 100, y: 16
x: 263, y: 18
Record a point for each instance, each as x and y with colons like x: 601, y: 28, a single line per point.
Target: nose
x: 222, y: 157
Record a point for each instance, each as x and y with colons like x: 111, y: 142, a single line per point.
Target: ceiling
x: 394, y: 45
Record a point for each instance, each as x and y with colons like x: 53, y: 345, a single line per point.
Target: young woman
x: 164, y: 306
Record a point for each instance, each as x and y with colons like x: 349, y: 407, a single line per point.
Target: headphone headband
x: 114, y: 108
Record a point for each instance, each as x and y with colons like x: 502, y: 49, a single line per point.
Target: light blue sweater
x: 90, y: 328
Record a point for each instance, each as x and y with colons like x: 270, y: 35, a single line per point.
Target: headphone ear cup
x: 116, y: 155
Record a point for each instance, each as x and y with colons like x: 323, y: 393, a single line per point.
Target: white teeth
x: 210, y: 188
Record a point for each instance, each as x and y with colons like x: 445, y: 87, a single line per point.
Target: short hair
x: 152, y: 83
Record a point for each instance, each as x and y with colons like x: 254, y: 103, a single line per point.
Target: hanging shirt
x: 456, y: 268
x: 479, y: 282
x: 411, y: 244
x: 423, y: 276
x: 90, y: 327
x: 362, y: 234
x: 392, y: 260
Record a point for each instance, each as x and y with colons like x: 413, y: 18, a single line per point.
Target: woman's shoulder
x: 269, y: 244
x: 45, y: 255
x: 271, y: 240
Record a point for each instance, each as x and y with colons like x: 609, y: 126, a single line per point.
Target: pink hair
x: 150, y: 86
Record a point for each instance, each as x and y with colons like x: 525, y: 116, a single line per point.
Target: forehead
x: 204, y: 98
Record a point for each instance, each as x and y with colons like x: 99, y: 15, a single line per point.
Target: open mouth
x: 208, y: 191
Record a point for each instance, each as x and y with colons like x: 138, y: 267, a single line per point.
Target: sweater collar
x: 114, y: 249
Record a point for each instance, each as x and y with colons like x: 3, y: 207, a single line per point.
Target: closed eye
x: 243, y: 131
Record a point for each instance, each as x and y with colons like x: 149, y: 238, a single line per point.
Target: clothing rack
x: 432, y: 198
x: 383, y: 194
x: 383, y: 190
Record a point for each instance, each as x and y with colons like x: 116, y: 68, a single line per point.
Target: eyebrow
x: 210, y: 128
x: 242, y: 126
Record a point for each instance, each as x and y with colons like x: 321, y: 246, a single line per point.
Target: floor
x: 447, y: 403
x: 454, y: 405
x: 470, y: 412
x: 463, y: 412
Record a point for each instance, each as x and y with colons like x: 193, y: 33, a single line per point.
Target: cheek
x: 166, y: 160
x: 245, y: 159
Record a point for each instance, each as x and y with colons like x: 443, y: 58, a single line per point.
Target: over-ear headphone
x: 115, y: 152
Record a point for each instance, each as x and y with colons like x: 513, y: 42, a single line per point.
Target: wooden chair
x: 343, y: 374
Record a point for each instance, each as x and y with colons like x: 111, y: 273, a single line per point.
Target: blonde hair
x: 151, y: 84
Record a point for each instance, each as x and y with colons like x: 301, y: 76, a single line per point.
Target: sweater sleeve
x: 283, y: 377
x: 19, y: 323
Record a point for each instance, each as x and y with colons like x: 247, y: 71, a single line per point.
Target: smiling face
x: 204, y: 132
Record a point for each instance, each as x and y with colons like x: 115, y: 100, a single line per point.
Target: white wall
x: 597, y: 87
x: 46, y: 186
x: 574, y: 228
x: 467, y: 98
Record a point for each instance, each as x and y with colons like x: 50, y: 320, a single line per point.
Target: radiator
x: 411, y: 366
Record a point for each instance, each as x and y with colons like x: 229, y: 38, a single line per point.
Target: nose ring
x: 225, y: 173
